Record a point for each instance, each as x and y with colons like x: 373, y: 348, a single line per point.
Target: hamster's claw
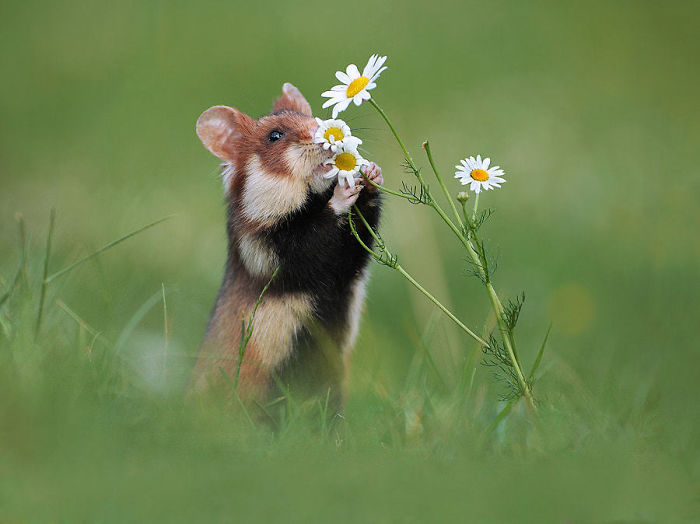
x: 374, y: 173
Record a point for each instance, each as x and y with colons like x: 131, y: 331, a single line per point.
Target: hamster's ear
x: 292, y: 100
x: 218, y: 128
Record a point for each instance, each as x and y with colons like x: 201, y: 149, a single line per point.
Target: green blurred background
x: 591, y: 109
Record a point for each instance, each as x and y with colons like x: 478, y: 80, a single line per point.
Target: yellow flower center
x: 357, y: 85
x: 345, y: 161
x: 480, y: 175
x: 334, y: 132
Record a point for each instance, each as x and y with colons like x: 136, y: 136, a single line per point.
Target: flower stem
x: 496, y: 304
x: 406, y: 154
x: 405, y: 274
x: 416, y: 171
x: 426, y: 146
x: 507, y: 335
x: 438, y: 304
x: 386, y: 190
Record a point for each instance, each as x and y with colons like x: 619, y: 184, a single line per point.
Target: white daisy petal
x: 369, y: 68
x: 340, y: 96
x: 332, y: 173
x: 340, y: 107
x: 352, y: 141
x: 376, y: 75
x: 376, y: 69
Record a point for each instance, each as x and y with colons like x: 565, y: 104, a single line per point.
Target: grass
x: 89, y: 424
x: 589, y: 109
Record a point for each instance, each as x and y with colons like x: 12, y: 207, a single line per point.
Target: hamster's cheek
x: 274, y: 159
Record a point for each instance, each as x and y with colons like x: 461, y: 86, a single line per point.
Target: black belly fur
x: 320, y: 256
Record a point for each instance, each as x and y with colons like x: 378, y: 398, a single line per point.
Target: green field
x: 591, y: 108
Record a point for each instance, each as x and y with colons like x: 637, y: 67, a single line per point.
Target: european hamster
x: 281, y: 211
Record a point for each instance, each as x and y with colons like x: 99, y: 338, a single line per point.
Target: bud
x: 462, y: 196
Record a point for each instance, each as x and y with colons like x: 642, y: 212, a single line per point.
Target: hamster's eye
x: 275, y: 135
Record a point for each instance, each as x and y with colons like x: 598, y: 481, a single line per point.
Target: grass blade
x: 81, y: 323
x: 47, y: 255
x: 135, y: 320
x: 504, y: 412
x: 103, y: 249
x: 22, y: 261
x: 166, y: 335
x: 539, y: 355
x: 235, y: 393
x: 247, y: 330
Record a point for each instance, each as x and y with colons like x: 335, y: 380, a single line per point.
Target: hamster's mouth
x: 323, y: 168
x: 323, y: 156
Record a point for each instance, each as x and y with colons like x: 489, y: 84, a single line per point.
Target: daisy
x: 345, y: 164
x: 477, y: 173
x: 335, y: 134
x: 355, y: 86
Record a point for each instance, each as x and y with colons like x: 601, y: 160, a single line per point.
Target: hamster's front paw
x: 374, y: 173
x: 344, y: 197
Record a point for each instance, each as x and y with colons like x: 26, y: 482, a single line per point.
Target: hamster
x: 283, y: 212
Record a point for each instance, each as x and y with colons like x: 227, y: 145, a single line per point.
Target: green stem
x: 369, y: 228
x: 505, y: 332
x: 406, y: 275
x: 386, y: 190
x: 465, y: 215
x: 416, y: 171
x: 466, y: 242
x: 406, y: 154
x: 426, y: 146
x: 439, y: 305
